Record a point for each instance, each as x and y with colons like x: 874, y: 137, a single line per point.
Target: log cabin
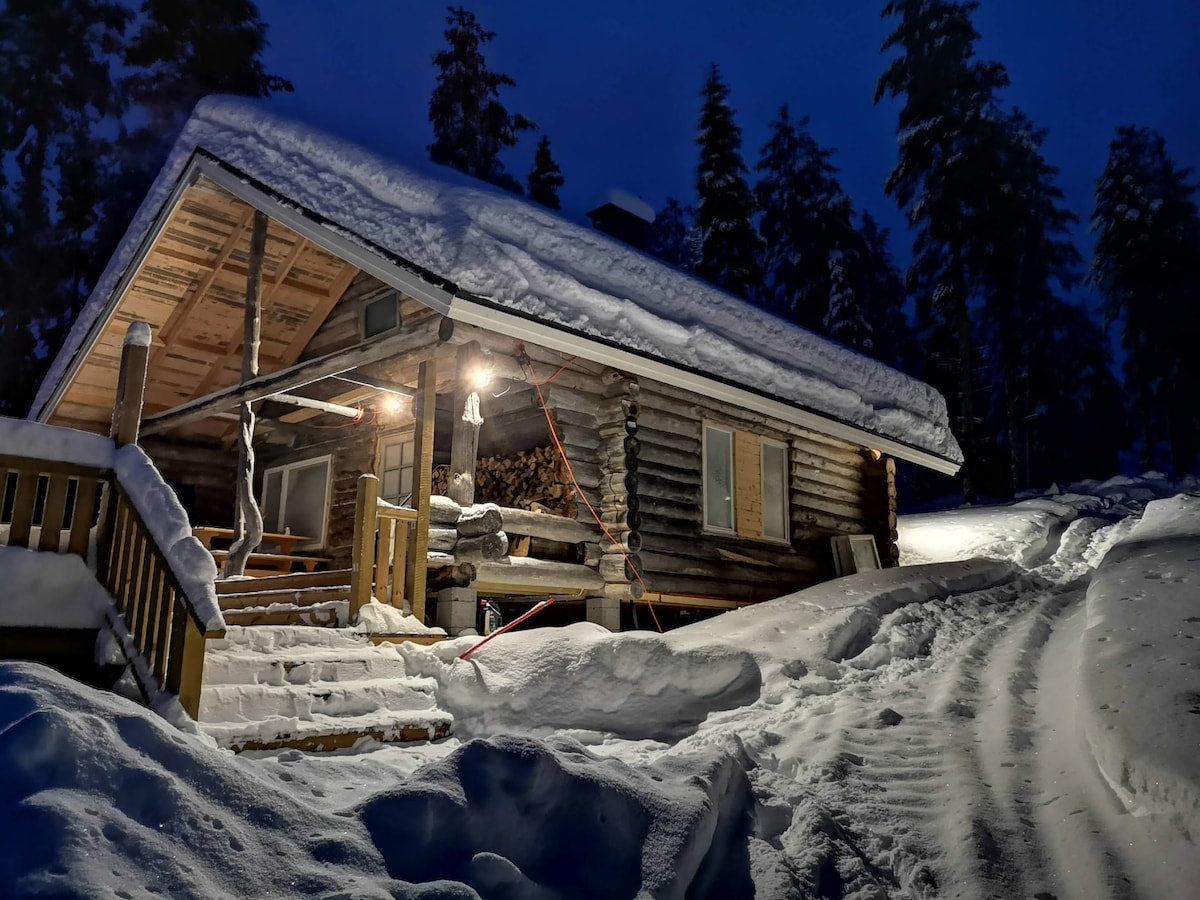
x: 561, y: 414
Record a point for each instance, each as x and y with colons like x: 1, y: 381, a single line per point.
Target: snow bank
x: 523, y: 258
x: 1021, y: 532
x: 49, y: 590
x: 514, y: 817
x: 381, y: 618
x: 637, y: 684
x: 168, y: 522
x: 1141, y: 678
x: 809, y: 631
x: 102, y: 798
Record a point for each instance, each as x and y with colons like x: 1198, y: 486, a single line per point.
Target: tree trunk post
x: 424, y: 409
x: 131, y: 384
x: 464, y: 447
x: 247, y: 523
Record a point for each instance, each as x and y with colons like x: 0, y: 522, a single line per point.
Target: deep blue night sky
x: 615, y: 85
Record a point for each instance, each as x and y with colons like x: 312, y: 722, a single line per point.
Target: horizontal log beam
x: 295, y: 376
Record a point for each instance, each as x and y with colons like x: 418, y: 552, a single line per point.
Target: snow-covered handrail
x: 161, y: 577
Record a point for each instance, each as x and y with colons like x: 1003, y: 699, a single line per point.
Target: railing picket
x: 145, y: 618
x: 163, y: 598
x: 383, y: 546
x: 179, y: 616
x: 23, y: 502
x: 81, y: 516
x: 54, y: 513
x: 399, y: 559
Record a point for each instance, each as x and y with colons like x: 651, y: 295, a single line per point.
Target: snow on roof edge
x: 527, y: 259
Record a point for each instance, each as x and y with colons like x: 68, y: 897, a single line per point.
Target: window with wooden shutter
x: 746, y: 485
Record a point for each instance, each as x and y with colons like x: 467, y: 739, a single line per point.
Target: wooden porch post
x: 247, y: 521
x: 464, y: 447
x: 131, y: 384
x: 424, y: 409
x: 366, y: 516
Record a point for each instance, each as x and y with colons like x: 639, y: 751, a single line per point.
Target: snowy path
x: 986, y: 788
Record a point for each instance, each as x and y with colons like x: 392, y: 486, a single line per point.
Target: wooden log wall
x: 203, y: 477
x: 835, y: 488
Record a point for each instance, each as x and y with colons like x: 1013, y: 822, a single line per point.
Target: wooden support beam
x: 131, y: 384
x: 296, y: 376
x: 464, y: 446
x: 424, y: 407
x: 247, y: 522
x: 320, y: 312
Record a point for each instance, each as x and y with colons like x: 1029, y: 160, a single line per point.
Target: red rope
x: 579, y: 491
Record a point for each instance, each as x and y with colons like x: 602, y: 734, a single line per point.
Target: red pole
x: 515, y: 622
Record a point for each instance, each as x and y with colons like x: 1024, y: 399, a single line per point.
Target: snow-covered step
x: 250, y: 702
x: 306, y: 667
x: 298, y: 597
x: 322, y: 614
x: 325, y: 733
x: 312, y: 688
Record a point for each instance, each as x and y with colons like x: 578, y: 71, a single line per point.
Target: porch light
x: 480, y: 377
x: 390, y: 404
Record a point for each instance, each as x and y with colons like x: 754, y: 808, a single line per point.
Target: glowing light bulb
x: 391, y: 404
x: 480, y: 378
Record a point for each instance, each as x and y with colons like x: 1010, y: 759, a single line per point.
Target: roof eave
x: 445, y: 298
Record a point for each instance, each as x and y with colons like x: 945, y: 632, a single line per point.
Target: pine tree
x: 545, y: 178
x: 945, y: 126
x: 892, y: 341
x: 1147, y: 244
x: 671, y: 235
x: 470, y: 124
x: 185, y: 49
x: 56, y: 90
x: 1029, y: 254
x: 182, y: 50
x: 729, y: 244
x: 806, y: 217
x: 847, y: 319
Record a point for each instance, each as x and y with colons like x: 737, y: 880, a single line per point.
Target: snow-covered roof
x: 486, y: 256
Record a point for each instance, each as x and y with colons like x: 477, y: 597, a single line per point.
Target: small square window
x: 380, y: 315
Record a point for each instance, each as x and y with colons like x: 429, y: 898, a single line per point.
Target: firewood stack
x: 529, y: 479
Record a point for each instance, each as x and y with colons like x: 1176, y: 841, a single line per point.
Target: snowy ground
x: 1026, y: 725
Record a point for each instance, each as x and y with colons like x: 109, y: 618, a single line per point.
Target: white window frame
x: 392, y: 296
x: 285, y: 469
x: 763, y: 443
x: 708, y: 528
x: 402, y: 436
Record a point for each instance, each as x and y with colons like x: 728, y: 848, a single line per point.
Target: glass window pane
x: 775, y: 491
x: 406, y: 482
x: 389, y: 485
x: 304, y: 512
x: 718, y: 478
x: 391, y: 456
x: 271, y: 495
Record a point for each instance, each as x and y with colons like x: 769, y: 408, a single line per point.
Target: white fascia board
x: 476, y: 312
x: 329, y: 236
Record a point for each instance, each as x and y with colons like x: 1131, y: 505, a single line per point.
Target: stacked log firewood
x: 530, y: 479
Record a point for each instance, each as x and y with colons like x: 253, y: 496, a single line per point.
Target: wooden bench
x: 286, y: 542
x: 275, y: 563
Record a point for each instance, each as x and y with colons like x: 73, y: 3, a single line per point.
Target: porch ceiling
x: 191, y: 290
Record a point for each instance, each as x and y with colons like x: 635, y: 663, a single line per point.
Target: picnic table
x: 260, y: 563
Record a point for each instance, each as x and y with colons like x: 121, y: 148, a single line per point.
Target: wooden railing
x: 56, y: 507
x: 382, y: 556
x: 162, y: 624
x: 56, y: 498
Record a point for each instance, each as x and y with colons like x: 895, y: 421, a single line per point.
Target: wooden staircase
x: 300, y: 598
x: 289, y: 673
